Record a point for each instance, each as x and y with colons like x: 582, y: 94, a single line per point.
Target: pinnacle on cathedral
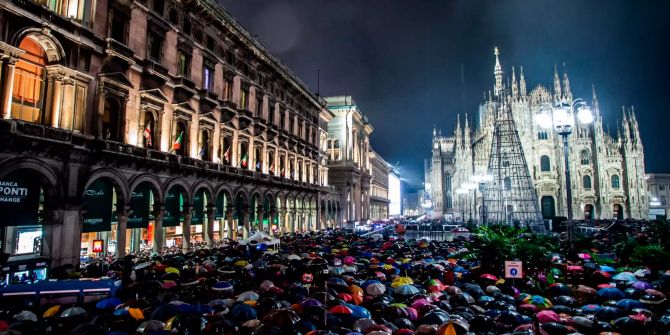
x: 498, y: 73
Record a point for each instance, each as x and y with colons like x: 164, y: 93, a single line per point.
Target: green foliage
x: 495, y: 244
x: 653, y: 256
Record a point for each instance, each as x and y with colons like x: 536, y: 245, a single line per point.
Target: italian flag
x: 244, y: 160
x: 177, y: 143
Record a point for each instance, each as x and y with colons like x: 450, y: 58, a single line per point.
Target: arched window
x: 548, y: 207
x: 149, y: 130
x: 205, y: 144
x: 508, y: 183
x: 542, y: 135
x: 258, y: 157
x: 585, y: 157
x: 545, y: 163
x: 586, y: 182
x: 29, y: 83
x: 447, y: 184
x: 226, y: 150
x: 271, y: 162
x: 244, y: 155
x: 588, y: 212
x: 664, y: 201
x: 111, y: 120
x: 180, y: 141
x: 615, y: 182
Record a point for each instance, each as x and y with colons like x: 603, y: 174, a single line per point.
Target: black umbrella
x: 436, y: 317
x: 554, y: 328
x: 608, y: 313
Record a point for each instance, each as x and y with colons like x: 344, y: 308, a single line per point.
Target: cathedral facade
x: 607, y: 172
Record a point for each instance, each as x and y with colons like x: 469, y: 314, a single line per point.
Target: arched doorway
x: 176, y: 200
x: 221, y: 228
x: 29, y: 82
x: 241, y: 213
x: 588, y: 212
x: 140, y: 226
x: 199, y: 217
x: 27, y: 199
x: 548, y: 207
x: 101, y: 200
x: 618, y: 212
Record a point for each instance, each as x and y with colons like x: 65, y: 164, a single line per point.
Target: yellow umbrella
x: 241, y: 263
x: 400, y: 281
x: 172, y: 270
x: 168, y: 324
x: 51, y: 311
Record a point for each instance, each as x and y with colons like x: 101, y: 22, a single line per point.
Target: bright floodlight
x: 563, y: 120
x: 584, y: 114
x: 543, y: 119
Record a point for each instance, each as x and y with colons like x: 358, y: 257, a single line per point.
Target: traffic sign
x: 513, y: 269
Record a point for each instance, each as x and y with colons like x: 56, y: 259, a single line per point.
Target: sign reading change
x: 19, y: 200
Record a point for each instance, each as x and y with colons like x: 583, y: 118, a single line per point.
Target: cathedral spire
x: 459, y: 132
x: 566, y: 84
x: 498, y: 73
x: 522, y: 83
x: 466, y: 132
x: 557, y: 85
x: 515, y: 86
x: 594, y: 100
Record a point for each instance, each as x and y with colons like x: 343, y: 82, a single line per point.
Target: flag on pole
x: 226, y: 155
x: 147, y: 133
x: 272, y: 168
x: 244, y: 161
x: 177, y: 143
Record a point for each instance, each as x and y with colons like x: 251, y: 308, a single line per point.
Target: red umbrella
x: 489, y: 277
x: 341, y: 309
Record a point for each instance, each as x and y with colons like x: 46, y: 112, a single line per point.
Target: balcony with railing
x: 112, y: 152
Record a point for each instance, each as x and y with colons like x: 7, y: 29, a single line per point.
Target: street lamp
x: 461, y: 191
x: 479, y: 181
x: 562, y: 117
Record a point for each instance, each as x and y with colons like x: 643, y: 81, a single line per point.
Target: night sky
x: 412, y: 64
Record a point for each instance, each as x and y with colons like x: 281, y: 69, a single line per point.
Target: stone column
x: 281, y: 221
x: 9, y: 87
x: 158, y: 239
x: 259, y: 215
x: 291, y: 220
x: 247, y: 224
x: 56, y: 100
x: 121, y: 224
x: 186, y: 240
x: 232, y: 230
x: 70, y: 237
x: 271, y: 217
x: 208, y: 230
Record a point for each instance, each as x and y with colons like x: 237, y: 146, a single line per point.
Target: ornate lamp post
x: 562, y: 117
x: 479, y: 181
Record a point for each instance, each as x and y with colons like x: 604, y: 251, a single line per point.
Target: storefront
x: 22, y: 204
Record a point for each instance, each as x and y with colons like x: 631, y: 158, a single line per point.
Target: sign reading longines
x: 19, y: 200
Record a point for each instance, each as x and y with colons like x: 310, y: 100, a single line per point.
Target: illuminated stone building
x: 148, y: 123
x: 608, y: 178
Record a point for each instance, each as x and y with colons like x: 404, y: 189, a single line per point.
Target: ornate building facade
x: 141, y: 123
x: 349, y: 168
x: 607, y: 173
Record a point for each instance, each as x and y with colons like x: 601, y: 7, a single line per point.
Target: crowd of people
x: 340, y: 283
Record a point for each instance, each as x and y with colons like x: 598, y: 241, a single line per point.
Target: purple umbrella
x: 641, y: 285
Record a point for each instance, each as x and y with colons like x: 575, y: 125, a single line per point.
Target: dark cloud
x: 403, y: 60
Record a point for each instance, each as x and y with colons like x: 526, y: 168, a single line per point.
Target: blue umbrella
x: 611, y: 293
x: 407, y: 290
x: 242, y: 312
x: 625, y: 276
x: 629, y: 304
x: 108, y: 303
x: 590, y: 308
x: 608, y: 313
x: 359, y: 312
x: 164, y: 312
x: 223, y: 286
x: 607, y: 268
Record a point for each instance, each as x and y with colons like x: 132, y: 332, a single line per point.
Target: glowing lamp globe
x: 563, y: 120
x: 585, y: 115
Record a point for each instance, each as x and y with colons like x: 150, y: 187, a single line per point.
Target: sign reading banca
x: 19, y: 200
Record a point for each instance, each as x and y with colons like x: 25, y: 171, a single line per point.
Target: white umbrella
x: 26, y: 316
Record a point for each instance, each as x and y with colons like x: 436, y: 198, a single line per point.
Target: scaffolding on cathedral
x: 510, y: 198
